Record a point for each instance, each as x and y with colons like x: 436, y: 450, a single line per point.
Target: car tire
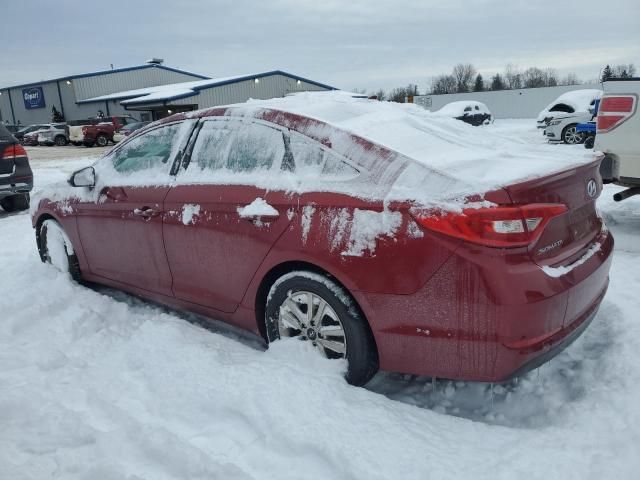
x: 15, y: 203
x: 61, y: 141
x: 570, y: 136
x: 88, y: 144
x: 77, y: 144
x: 55, y: 248
x: 590, y: 142
x: 340, y: 332
x: 102, y: 140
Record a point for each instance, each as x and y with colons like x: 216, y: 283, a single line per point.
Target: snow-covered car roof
x: 579, y: 100
x: 457, y: 109
x: 478, y: 159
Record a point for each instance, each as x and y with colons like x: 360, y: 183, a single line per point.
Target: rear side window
x: 152, y: 150
x: 237, y: 146
x: 310, y: 159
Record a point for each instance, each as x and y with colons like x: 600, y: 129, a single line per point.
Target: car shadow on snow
x: 533, y: 401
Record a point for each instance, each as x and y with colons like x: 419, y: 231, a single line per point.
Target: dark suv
x: 16, y: 178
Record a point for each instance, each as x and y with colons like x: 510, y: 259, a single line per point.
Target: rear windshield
x: 562, y: 107
x: 5, y: 135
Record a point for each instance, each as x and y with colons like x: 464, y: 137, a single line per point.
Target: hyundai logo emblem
x: 592, y: 188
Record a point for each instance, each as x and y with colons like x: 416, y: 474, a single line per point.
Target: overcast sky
x: 347, y: 44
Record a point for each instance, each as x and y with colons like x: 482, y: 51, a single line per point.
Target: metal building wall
x: 82, y: 88
x: 95, y: 86
x: 524, y: 103
x: 268, y: 87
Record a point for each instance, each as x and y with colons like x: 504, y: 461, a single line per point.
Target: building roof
x: 174, y: 91
x: 106, y: 72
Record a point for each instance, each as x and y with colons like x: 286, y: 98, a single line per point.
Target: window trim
x: 175, y: 161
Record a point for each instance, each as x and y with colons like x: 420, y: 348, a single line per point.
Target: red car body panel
x: 436, y: 305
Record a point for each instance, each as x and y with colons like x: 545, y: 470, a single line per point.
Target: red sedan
x: 280, y: 220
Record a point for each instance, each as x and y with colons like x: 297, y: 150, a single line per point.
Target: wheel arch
x: 277, y: 271
x: 38, y: 224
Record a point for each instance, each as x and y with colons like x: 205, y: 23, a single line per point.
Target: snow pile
x: 367, y: 226
x: 95, y: 384
x: 190, y: 212
x: 258, y: 208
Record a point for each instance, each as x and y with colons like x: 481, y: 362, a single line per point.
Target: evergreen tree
x: 497, y: 83
x: 479, y: 85
x: 607, y: 73
x: 56, y: 116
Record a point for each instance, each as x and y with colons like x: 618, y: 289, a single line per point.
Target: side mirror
x: 83, y: 178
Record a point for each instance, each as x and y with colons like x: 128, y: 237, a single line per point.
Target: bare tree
x: 381, y: 95
x: 534, y: 77
x: 571, y: 79
x: 512, y: 77
x: 443, y: 84
x: 464, y: 74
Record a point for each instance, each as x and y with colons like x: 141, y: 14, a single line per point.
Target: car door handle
x: 146, y: 212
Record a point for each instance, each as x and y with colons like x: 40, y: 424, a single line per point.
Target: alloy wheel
x: 571, y: 136
x: 308, y: 316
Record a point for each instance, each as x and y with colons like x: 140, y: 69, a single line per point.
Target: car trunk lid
x: 567, y: 236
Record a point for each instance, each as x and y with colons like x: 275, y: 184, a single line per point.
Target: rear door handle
x: 146, y: 212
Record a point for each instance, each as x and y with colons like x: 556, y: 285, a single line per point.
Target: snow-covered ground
x: 95, y: 384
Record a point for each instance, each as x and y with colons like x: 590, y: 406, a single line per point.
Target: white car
x: 55, y: 134
x: 561, y: 116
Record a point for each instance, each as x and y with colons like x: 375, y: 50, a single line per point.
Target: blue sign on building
x: 33, y: 98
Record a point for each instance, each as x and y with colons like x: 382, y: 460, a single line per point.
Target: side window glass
x: 467, y: 109
x: 310, y: 160
x: 237, y: 147
x: 151, y: 151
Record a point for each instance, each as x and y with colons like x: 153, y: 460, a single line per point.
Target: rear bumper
x: 480, y: 319
x: 12, y: 186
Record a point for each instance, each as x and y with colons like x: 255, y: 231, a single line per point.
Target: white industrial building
x: 147, y: 92
x: 521, y: 103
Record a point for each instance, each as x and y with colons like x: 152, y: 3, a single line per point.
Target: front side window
x: 237, y: 146
x: 150, y: 151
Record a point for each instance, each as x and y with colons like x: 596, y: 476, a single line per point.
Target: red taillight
x: 13, y: 151
x: 614, y: 110
x: 502, y: 226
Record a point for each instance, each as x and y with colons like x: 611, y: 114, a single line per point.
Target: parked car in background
x: 127, y: 130
x: 32, y: 138
x: 26, y: 130
x: 16, y: 178
x: 299, y: 224
x: 618, y: 135
x: 469, y: 111
x: 76, y: 135
x: 56, y: 134
x: 560, y: 118
x: 11, y: 128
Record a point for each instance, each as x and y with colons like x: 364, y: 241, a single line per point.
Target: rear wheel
x: 15, y: 202
x: 55, y: 248
x: 102, y: 140
x: 571, y: 136
x: 311, y: 307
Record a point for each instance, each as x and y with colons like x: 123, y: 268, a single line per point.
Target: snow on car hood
x: 579, y: 100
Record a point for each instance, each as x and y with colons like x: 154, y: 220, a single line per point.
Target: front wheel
x: 590, y: 142
x: 61, y: 140
x: 55, y: 248
x: 570, y: 136
x: 313, y: 308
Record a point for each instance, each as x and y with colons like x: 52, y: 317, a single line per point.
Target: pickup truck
x: 101, y: 136
x: 618, y: 135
